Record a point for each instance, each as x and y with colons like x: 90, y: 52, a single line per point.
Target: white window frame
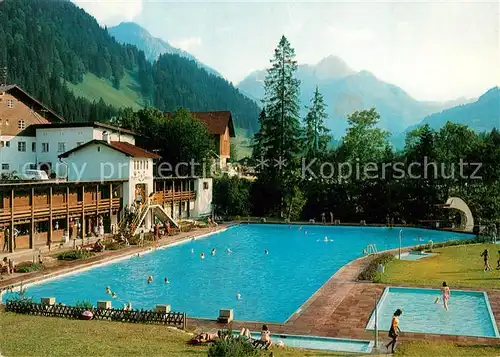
x: 21, y: 124
x: 61, y: 147
x: 45, y: 147
x: 10, y: 103
x: 21, y: 147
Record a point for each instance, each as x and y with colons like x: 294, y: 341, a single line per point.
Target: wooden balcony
x: 43, y: 211
x: 169, y: 196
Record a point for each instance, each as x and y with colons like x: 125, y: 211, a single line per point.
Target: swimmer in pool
x: 305, y: 232
x: 445, y: 290
x: 113, y: 295
x: 202, y: 255
x: 300, y: 228
x: 108, y: 290
x: 192, y: 250
x: 213, y: 251
x: 229, y: 251
x: 150, y: 279
x: 166, y: 281
x: 266, y: 252
x: 326, y: 239
x: 238, y: 296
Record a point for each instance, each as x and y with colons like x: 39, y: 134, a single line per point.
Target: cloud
x: 111, y: 12
x: 350, y: 35
x: 187, y: 43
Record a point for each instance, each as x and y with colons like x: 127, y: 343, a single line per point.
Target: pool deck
x: 342, y: 307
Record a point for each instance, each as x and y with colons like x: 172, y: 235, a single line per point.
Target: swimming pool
x: 469, y: 312
x: 272, y: 286
x: 415, y: 255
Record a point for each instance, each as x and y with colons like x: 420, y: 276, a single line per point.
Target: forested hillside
x: 49, y: 47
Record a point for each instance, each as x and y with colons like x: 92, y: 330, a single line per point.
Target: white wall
x: 115, y: 136
x: 203, y: 202
x: 71, y: 137
x: 138, y: 174
x: 97, y: 163
x: 17, y: 160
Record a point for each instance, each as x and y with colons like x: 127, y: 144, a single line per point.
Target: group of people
x: 6, y: 238
x: 263, y: 342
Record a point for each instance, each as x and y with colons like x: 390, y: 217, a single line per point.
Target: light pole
x: 400, y: 237
x: 376, y: 322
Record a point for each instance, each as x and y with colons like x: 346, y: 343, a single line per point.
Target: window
x: 21, y: 146
x: 7, y: 122
x: 5, y: 166
x: 10, y: 103
x: 61, y: 147
x: 45, y: 147
x: 33, y: 147
x: 205, y: 185
x: 7, y: 144
x: 21, y: 124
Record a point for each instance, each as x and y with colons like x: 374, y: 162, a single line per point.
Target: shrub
x: 84, y: 304
x: 232, y: 346
x: 28, y: 267
x: 74, y: 255
x: 370, y: 272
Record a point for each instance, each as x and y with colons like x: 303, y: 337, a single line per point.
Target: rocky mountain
x: 346, y: 90
x: 133, y: 34
x: 481, y: 115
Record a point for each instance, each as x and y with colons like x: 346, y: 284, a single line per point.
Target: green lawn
x: 459, y: 266
x: 95, y: 88
x: 23, y: 335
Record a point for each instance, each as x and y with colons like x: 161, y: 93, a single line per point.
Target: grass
x: 444, y: 349
x: 48, y: 336
x: 95, y: 88
x: 459, y: 266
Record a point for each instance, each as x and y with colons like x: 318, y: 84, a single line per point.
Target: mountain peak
x: 332, y: 67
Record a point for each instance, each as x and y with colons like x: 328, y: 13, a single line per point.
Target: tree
x: 279, y: 138
x: 363, y: 141
x: 316, y: 133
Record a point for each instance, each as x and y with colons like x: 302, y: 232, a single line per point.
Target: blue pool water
x: 320, y: 343
x: 469, y: 312
x: 272, y: 286
x: 415, y: 256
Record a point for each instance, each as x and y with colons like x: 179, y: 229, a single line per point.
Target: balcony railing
x: 43, y: 210
x: 169, y: 196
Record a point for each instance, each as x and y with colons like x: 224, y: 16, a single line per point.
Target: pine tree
x: 316, y: 133
x: 279, y: 138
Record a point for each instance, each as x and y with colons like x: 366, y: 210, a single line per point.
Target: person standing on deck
x: 323, y: 218
x: 394, y: 331
x: 331, y: 217
x: 6, y: 237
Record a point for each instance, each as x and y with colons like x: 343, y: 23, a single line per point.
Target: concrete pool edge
x: 85, y: 266
x: 370, y: 326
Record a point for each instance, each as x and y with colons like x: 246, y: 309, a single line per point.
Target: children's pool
x: 319, y: 343
x: 415, y: 255
x: 469, y: 312
x: 272, y: 286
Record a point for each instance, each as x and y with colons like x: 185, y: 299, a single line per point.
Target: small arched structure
x: 466, y: 219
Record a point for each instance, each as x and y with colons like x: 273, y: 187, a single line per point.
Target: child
x: 265, y: 336
x: 150, y: 279
x: 485, y: 257
x: 445, y: 290
x: 394, y: 330
x: 498, y: 261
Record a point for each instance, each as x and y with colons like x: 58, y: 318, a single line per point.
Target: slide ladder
x: 157, y: 210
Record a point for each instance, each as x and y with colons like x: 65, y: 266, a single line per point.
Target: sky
x: 433, y: 50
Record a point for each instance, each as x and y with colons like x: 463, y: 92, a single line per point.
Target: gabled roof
x: 216, y: 121
x: 123, y: 147
x: 93, y: 124
x: 37, y: 106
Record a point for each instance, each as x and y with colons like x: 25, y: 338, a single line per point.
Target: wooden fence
x: 177, y: 319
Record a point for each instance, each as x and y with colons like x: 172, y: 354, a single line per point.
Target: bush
x: 28, y: 267
x: 84, y: 304
x: 370, y: 272
x: 74, y: 255
x: 232, y: 346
